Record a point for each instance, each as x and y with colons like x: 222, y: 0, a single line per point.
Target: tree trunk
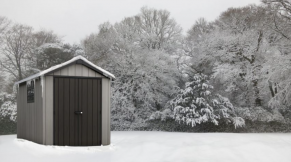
x: 271, y: 89
x: 258, y: 100
x: 20, y: 77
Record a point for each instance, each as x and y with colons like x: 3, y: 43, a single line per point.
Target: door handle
x: 78, y: 112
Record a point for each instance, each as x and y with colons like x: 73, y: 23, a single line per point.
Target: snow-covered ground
x: 158, y: 147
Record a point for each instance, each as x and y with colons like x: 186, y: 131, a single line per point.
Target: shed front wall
x: 30, y: 115
x: 82, y: 71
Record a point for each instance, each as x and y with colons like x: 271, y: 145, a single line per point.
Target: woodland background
x: 229, y: 75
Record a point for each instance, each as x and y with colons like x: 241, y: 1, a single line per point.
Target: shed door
x: 77, y: 111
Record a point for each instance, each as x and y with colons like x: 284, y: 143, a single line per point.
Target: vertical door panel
x: 56, y: 113
x: 61, y: 111
x: 95, y: 112
x: 99, y: 107
x: 72, y: 111
x: 66, y: 97
x: 84, y: 104
x: 90, y: 111
x: 79, y: 118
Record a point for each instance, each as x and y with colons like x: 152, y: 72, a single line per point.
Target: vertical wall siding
x: 77, y: 70
x: 48, y: 110
x: 39, y: 113
x: 21, y: 107
x: 105, y: 111
x: 19, y: 118
x: 29, y: 115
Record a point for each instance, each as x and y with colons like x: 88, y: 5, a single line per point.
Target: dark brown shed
x: 67, y: 104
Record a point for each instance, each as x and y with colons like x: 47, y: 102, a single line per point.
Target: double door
x: 77, y: 111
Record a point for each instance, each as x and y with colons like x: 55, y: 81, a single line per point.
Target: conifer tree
x: 195, y: 104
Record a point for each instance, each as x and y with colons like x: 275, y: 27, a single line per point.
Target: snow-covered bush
x: 8, y: 106
x: 163, y: 116
x: 8, y: 109
x: 166, y: 114
x: 156, y: 115
x: 259, y: 114
x: 195, y: 105
x: 238, y: 122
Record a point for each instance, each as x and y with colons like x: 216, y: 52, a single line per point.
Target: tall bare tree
x: 17, y: 45
x: 46, y: 36
x: 157, y: 29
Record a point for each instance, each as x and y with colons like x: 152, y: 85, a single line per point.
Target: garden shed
x: 67, y: 105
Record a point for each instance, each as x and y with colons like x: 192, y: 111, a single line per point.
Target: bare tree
x: 17, y: 45
x: 157, y: 29
x: 44, y: 36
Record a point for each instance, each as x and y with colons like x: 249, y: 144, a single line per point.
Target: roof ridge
x: 55, y: 67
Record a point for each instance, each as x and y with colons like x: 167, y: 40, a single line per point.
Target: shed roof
x: 79, y: 60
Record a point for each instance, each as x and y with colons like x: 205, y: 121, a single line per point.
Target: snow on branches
x: 195, y: 104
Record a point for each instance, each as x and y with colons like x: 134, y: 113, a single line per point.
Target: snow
x: 158, y: 147
x: 106, y: 73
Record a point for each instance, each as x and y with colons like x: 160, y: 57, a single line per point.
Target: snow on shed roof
x: 41, y: 73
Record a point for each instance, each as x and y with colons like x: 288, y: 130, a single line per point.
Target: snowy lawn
x: 158, y: 147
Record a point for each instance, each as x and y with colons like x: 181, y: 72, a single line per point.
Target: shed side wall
x: 82, y: 71
x: 29, y: 115
x: 105, y: 111
x: 48, y: 110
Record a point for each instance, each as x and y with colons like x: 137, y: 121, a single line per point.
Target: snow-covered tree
x: 50, y: 54
x: 196, y: 104
x: 4, y: 25
x: 145, y: 72
x: 99, y: 47
x: 277, y: 70
x: 232, y: 50
x: 277, y: 78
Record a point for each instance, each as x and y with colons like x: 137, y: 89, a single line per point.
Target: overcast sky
x: 75, y: 19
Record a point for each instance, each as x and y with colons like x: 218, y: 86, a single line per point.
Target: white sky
x: 75, y: 19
